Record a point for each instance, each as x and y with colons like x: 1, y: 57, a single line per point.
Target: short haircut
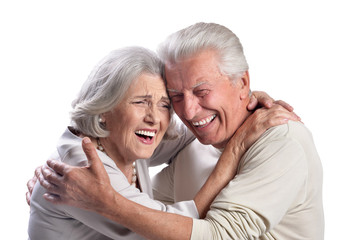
x: 206, y: 36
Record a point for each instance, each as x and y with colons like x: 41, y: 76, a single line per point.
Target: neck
x: 127, y: 166
x: 223, y: 144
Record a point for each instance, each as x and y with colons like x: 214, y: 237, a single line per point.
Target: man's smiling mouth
x: 204, y: 122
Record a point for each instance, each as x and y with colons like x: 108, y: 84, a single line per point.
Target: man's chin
x: 206, y: 141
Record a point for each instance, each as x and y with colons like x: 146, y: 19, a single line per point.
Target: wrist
x: 107, y: 201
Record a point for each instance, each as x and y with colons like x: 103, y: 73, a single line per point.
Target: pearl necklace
x: 134, y: 176
x: 134, y: 172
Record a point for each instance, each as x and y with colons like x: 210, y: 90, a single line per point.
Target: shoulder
x: 289, y: 132
x: 278, y: 148
x: 70, y: 151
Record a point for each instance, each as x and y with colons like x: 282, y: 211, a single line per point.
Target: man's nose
x: 190, y: 107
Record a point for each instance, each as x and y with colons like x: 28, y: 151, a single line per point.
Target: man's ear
x: 244, y: 88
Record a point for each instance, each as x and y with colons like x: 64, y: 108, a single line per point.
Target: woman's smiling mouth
x: 146, y: 136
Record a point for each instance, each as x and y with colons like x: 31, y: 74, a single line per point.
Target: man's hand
x: 82, y: 187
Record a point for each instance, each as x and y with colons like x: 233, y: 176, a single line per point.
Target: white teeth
x: 204, y: 121
x: 145, y: 133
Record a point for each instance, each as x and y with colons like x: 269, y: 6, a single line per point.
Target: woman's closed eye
x: 165, y: 105
x: 140, y: 102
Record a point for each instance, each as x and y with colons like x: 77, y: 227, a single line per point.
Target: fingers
x: 263, y: 99
x: 28, y: 197
x: 279, y: 115
x: 57, y: 166
x: 252, y: 103
x: 289, y: 111
x: 283, y: 108
x: 30, y: 184
x: 95, y: 168
x: 94, y: 162
x: 289, y: 108
x: 50, y: 180
x: 284, y: 104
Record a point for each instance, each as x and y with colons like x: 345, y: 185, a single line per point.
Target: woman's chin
x: 144, y: 154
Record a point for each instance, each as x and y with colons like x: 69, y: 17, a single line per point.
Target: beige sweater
x: 276, y: 195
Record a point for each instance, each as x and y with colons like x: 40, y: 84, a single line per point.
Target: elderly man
x: 277, y: 193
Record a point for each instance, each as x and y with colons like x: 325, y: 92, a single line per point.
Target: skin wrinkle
x: 145, y: 106
x: 189, y: 73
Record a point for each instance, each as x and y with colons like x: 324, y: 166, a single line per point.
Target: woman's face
x: 138, y: 123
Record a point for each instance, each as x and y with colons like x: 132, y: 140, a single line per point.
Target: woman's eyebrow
x: 143, y: 96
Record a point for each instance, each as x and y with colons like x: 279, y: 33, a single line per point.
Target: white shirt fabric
x: 49, y: 221
x: 277, y: 193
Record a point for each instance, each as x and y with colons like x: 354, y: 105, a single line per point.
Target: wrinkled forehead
x: 201, y: 67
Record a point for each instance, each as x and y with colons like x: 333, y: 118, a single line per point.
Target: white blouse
x: 49, y: 221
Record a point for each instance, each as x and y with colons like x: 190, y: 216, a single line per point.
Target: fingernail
x: 86, y: 140
x: 46, y: 172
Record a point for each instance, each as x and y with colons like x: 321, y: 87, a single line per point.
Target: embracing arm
x: 151, y: 223
x: 158, y: 225
x: 258, y: 99
x: 128, y: 213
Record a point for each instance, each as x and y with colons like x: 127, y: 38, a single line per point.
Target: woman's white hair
x: 204, y: 36
x: 107, y: 85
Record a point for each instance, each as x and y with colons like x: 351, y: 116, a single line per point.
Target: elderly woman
x: 123, y: 108
x: 124, y: 111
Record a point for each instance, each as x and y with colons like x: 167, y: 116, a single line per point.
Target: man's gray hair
x: 107, y: 84
x: 206, y: 36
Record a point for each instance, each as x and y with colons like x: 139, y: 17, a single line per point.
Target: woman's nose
x: 152, y: 115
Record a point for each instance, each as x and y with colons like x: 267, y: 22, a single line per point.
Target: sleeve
x: 163, y: 184
x: 168, y: 148
x: 256, y: 200
x: 120, y: 184
x: 114, y: 230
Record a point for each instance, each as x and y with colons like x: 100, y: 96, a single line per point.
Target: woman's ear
x: 244, y: 88
x: 101, y: 118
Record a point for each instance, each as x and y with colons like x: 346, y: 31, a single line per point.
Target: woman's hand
x: 30, y: 184
x: 255, y: 125
x: 262, y: 99
x: 83, y: 187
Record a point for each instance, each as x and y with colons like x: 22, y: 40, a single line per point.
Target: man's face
x: 205, y: 99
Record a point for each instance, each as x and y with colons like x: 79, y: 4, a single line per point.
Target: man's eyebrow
x: 193, y: 87
x: 173, y: 90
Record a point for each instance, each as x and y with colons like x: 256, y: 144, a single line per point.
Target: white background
x: 304, y: 52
